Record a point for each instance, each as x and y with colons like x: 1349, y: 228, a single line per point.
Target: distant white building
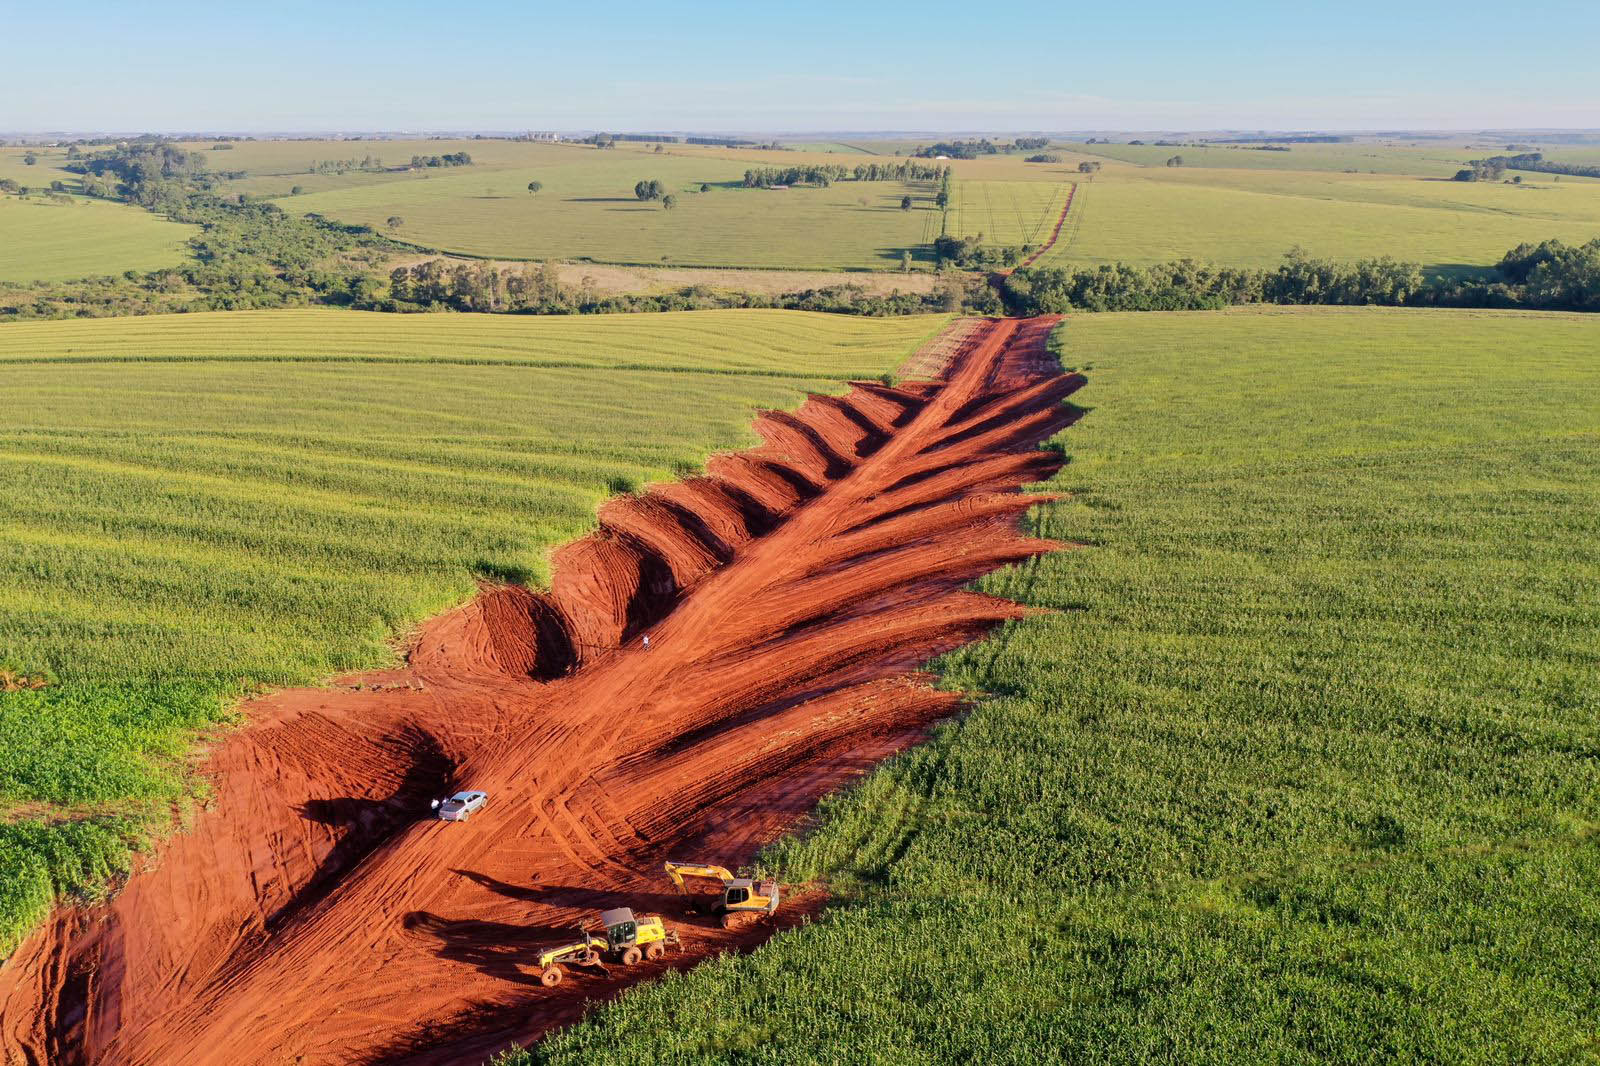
x: 539, y: 135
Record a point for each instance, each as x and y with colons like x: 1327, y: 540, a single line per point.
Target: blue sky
x: 788, y: 66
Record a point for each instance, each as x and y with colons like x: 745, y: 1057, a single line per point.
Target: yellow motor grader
x: 743, y: 899
x: 627, y: 939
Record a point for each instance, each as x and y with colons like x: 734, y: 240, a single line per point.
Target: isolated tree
x: 534, y: 187
x: 296, y: 190
x: 905, y: 203
x: 30, y: 159
x: 705, y: 186
x: 669, y: 202
x: 1175, y: 161
x: 658, y: 149
x: 1088, y: 167
x: 905, y: 261
x: 943, y: 199
x: 395, y: 222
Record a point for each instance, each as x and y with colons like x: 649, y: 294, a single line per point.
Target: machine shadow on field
x: 498, y: 949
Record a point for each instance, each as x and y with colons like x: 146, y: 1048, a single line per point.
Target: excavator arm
x: 679, y: 870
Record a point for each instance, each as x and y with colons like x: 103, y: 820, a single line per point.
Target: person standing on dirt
x: 647, y: 642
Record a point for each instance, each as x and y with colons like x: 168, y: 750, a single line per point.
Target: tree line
x: 1551, y: 276
x: 1535, y: 161
x: 825, y: 174
x: 344, y: 166
x: 449, y: 159
x: 972, y: 149
x: 443, y: 285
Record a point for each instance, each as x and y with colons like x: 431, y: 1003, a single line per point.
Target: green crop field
x: 197, y: 503
x: 1006, y: 212
x: 587, y: 210
x: 41, y: 240
x: 1250, y: 218
x: 1301, y: 767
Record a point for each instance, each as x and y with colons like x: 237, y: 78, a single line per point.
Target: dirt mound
x: 313, y: 914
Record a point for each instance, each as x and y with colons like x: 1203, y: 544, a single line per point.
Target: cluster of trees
x: 970, y: 253
x: 973, y: 149
x: 449, y: 159
x: 828, y: 173
x: 344, y: 166
x: 1175, y: 161
x: 154, y: 174
x: 1535, y: 161
x: 1482, y: 170
x: 825, y: 174
x: 649, y: 190
x: 1043, y: 157
x: 959, y: 149
x: 898, y: 172
x: 1549, y: 276
x: 1089, y: 166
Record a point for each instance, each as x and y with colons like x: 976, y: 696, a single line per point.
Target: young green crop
x: 195, y: 504
x: 1300, y: 767
x: 44, y: 240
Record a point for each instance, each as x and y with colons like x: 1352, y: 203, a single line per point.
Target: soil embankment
x: 313, y: 914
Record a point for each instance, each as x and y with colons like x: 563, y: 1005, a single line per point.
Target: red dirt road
x: 311, y: 915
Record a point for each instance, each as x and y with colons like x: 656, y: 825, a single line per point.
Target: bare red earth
x: 313, y: 915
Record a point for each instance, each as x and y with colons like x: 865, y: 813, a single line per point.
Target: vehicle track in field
x: 1055, y: 233
x: 791, y: 595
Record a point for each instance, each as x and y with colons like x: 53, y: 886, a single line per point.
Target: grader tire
x: 550, y: 976
x: 630, y: 955
x: 655, y: 950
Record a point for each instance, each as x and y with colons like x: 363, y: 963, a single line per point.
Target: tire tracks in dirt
x: 791, y: 596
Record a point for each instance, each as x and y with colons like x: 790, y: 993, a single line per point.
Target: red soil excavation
x: 314, y: 913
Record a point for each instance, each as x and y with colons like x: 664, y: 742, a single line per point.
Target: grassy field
x: 1301, y: 768
x: 1250, y: 218
x: 45, y: 241
x: 1006, y: 212
x: 1427, y: 159
x: 587, y: 210
x: 198, y: 503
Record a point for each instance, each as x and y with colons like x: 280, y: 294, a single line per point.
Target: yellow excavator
x: 743, y: 899
x: 627, y: 939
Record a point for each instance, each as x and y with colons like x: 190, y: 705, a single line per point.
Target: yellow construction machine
x: 742, y: 899
x: 627, y: 939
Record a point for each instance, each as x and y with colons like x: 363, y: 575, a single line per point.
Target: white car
x: 460, y: 806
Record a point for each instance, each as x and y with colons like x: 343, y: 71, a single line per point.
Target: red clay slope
x: 313, y: 915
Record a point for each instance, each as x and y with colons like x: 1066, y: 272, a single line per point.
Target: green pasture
x: 196, y: 504
x: 587, y: 210
x: 1430, y: 159
x: 1241, y: 218
x: 1297, y: 764
x: 1006, y: 212
x: 42, y: 240
x: 47, y: 166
